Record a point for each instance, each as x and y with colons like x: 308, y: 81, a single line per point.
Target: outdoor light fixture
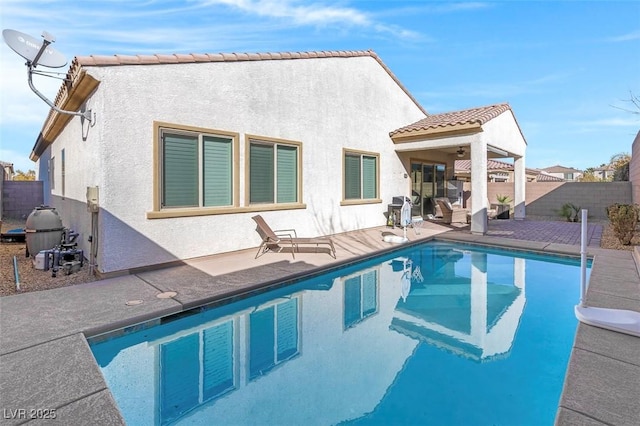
x: 460, y: 152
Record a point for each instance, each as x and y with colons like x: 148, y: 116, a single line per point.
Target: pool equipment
x: 65, y: 256
x: 620, y: 320
x: 405, y: 217
x: 43, y: 230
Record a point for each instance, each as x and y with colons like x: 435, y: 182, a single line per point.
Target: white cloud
x: 314, y: 14
x: 634, y: 35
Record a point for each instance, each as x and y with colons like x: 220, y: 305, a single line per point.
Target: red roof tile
x: 454, y: 118
x: 491, y: 165
x: 542, y: 177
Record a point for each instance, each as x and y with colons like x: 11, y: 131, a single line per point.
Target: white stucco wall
x: 327, y: 104
x: 502, y: 132
x: 83, y: 167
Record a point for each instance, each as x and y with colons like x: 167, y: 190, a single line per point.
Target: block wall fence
x: 19, y: 198
x: 546, y: 198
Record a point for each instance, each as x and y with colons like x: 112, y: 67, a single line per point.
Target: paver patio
x: 547, y: 231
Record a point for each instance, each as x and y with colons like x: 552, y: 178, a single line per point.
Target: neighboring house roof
x: 560, y: 169
x: 543, y: 177
x: 608, y: 168
x: 71, y: 96
x: 465, y: 165
x: 467, y: 119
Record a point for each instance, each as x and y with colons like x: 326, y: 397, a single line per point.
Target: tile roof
x: 451, y: 120
x: 103, y: 60
x: 491, y: 165
x: 543, y: 177
x: 561, y: 169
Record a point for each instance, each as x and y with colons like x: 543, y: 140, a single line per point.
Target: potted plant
x: 503, y: 206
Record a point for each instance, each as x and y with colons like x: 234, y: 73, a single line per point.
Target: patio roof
x: 453, y: 122
x: 494, y: 126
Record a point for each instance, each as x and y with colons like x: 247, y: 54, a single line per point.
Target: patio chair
x: 449, y: 213
x: 282, y: 239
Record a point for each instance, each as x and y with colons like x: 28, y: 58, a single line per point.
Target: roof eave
x: 69, y: 98
x: 436, y: 132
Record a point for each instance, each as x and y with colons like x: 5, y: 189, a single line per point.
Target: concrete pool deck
x: 46, y: 363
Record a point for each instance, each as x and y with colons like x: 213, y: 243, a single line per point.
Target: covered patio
x: 430, y: 147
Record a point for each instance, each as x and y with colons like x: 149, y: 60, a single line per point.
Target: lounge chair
x: 449, y: 213
x: 282, y: 239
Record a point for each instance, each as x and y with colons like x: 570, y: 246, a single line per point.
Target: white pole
x: 583, y: 258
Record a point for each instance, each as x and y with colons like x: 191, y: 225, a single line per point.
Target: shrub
x: 623, y: 218
x: 503, y: 199
x: 570, y: 211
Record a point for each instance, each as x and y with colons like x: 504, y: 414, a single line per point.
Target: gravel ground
x: 32, y: 279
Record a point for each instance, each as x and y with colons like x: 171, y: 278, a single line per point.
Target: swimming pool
x: 437, y: 334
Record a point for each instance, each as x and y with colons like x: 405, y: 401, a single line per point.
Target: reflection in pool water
x: 438, y: 334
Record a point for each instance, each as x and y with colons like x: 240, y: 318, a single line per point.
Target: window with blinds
x: 274, y: 337
x: 195, y: 369
x: 360, y: 297
x: 197, y: 169
x: 360, y: 176
x: 274, y: 172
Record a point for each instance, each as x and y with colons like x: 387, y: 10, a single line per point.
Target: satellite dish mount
x: 37, y: 53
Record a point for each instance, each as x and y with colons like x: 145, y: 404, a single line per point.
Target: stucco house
x: 569, y: 174
x: 605, y: 172
x: 181, y: 150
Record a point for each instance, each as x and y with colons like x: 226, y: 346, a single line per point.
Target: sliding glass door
x: 427, y: 183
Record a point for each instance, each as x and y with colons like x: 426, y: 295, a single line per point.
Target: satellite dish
x: 37, y: 53
x: 30, y: 48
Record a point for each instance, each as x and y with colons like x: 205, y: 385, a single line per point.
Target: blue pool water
x: 438, y: 334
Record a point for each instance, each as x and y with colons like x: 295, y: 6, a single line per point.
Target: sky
x: 567, y: 68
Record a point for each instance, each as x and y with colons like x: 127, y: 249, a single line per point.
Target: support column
x: 479, y: 187
x: 479, y: 299
x: 520, y: 183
